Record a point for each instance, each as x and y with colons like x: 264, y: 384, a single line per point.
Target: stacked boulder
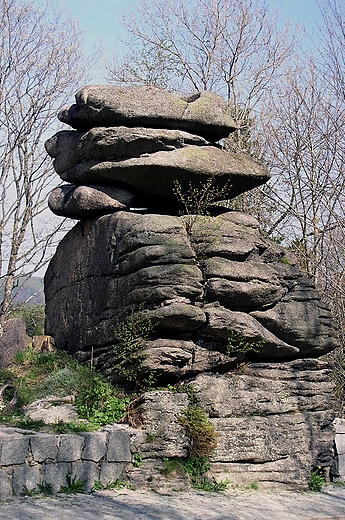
x: 131, y: 144
x: 219, y: 296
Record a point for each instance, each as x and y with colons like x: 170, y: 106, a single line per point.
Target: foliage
x: 173, y: 465
x: 131, y: 335
x: 138, y: 460
x: 26, y: 492
x: 33, y: 315
x: 97, y: 486
x: 195, y: 468
x: 72, y: 427
x: 98, y: 401
x: 200, y: 430
x: 26, y: 423
x: 197, y: 200
x: 238, y: 344
x: 211, y: 486
x: 184, y: 389
x: 36, y: 375
x: 317, y: 480
x: 73, y: 485
x: 45, y: 488
x: 119, y: 483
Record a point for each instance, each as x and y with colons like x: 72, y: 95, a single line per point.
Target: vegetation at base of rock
x: 138, y: 460
x: 200, y: 430
x: 195, y: 468
x: 119, y: 483
x: 238, y: 344
x: 131, y: 335
x: 98, y: 401
x: 73, y: 485
x: 317, y: 480
x: 36, y: 375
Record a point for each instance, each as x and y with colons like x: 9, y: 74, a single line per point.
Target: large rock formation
x: 217, y: 294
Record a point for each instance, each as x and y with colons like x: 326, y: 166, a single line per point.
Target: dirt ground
x: 148, y: 505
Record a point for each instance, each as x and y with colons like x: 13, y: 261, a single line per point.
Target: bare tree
x: 40, y: 60
x: 231, y: 47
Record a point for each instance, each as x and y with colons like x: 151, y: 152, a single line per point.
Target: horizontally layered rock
x: 229, y: 310
x: 196, y: 287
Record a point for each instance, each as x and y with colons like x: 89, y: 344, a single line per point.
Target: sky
x: 101, y: 21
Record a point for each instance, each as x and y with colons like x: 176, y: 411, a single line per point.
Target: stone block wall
x: 28, y: 459
x: 339, y: 426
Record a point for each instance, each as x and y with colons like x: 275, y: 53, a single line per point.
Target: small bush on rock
x: 200, y: 430
x: 131, y: 335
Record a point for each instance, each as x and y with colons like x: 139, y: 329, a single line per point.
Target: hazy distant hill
x: 32, y: 292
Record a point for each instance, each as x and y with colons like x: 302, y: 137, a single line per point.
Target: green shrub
x: 200, y: 430
x: 73, y: 485
x: 98, y: 401
x: 317, y: 480
x: 238, y: 344
x: 131, y: 335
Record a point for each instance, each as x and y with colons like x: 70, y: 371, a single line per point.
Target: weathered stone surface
x: 165, y: 436
x: 52, y: 409
x: 220, y: 277
x: 274, y: 421
x: 28, y: 476
x: 5, y: 484
x: 151, y: 176
x: 70, y: 448
x: 242, y: 285
x: 81, y: 202
x: 44, y: 447
x: 221, y: 320
x: 99, y: 144
x: 43, y: 343
x: 88, y: 471
x: 95, y: 446
x: 119, y: 447
x: 205, y: 113
x: 55, y: 474
x: 12, y: 340
x: 111, y: 471
x: 14, y: 449
x: 172, y: 359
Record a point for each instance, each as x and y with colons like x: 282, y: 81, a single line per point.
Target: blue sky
x: 101, y: 19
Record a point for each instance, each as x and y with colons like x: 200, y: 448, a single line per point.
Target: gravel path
x: 139, y: 505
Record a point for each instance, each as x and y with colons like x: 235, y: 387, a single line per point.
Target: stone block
x: 95, y: 446
x: 55, y: 474
x: 340, y: 443
x: 119, y: 449
x: 110, y: 471
x: 88, y: 471
x: 14, y: 450
x: 28, y: 476
x: 339, y: 425
x: 70, y: 448
x: 44, y: 447
x: 5, y: 484
x: 12, y: 340
x: 341, y: 465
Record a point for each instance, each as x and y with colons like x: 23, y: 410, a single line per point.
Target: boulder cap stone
x: 203, y: 113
